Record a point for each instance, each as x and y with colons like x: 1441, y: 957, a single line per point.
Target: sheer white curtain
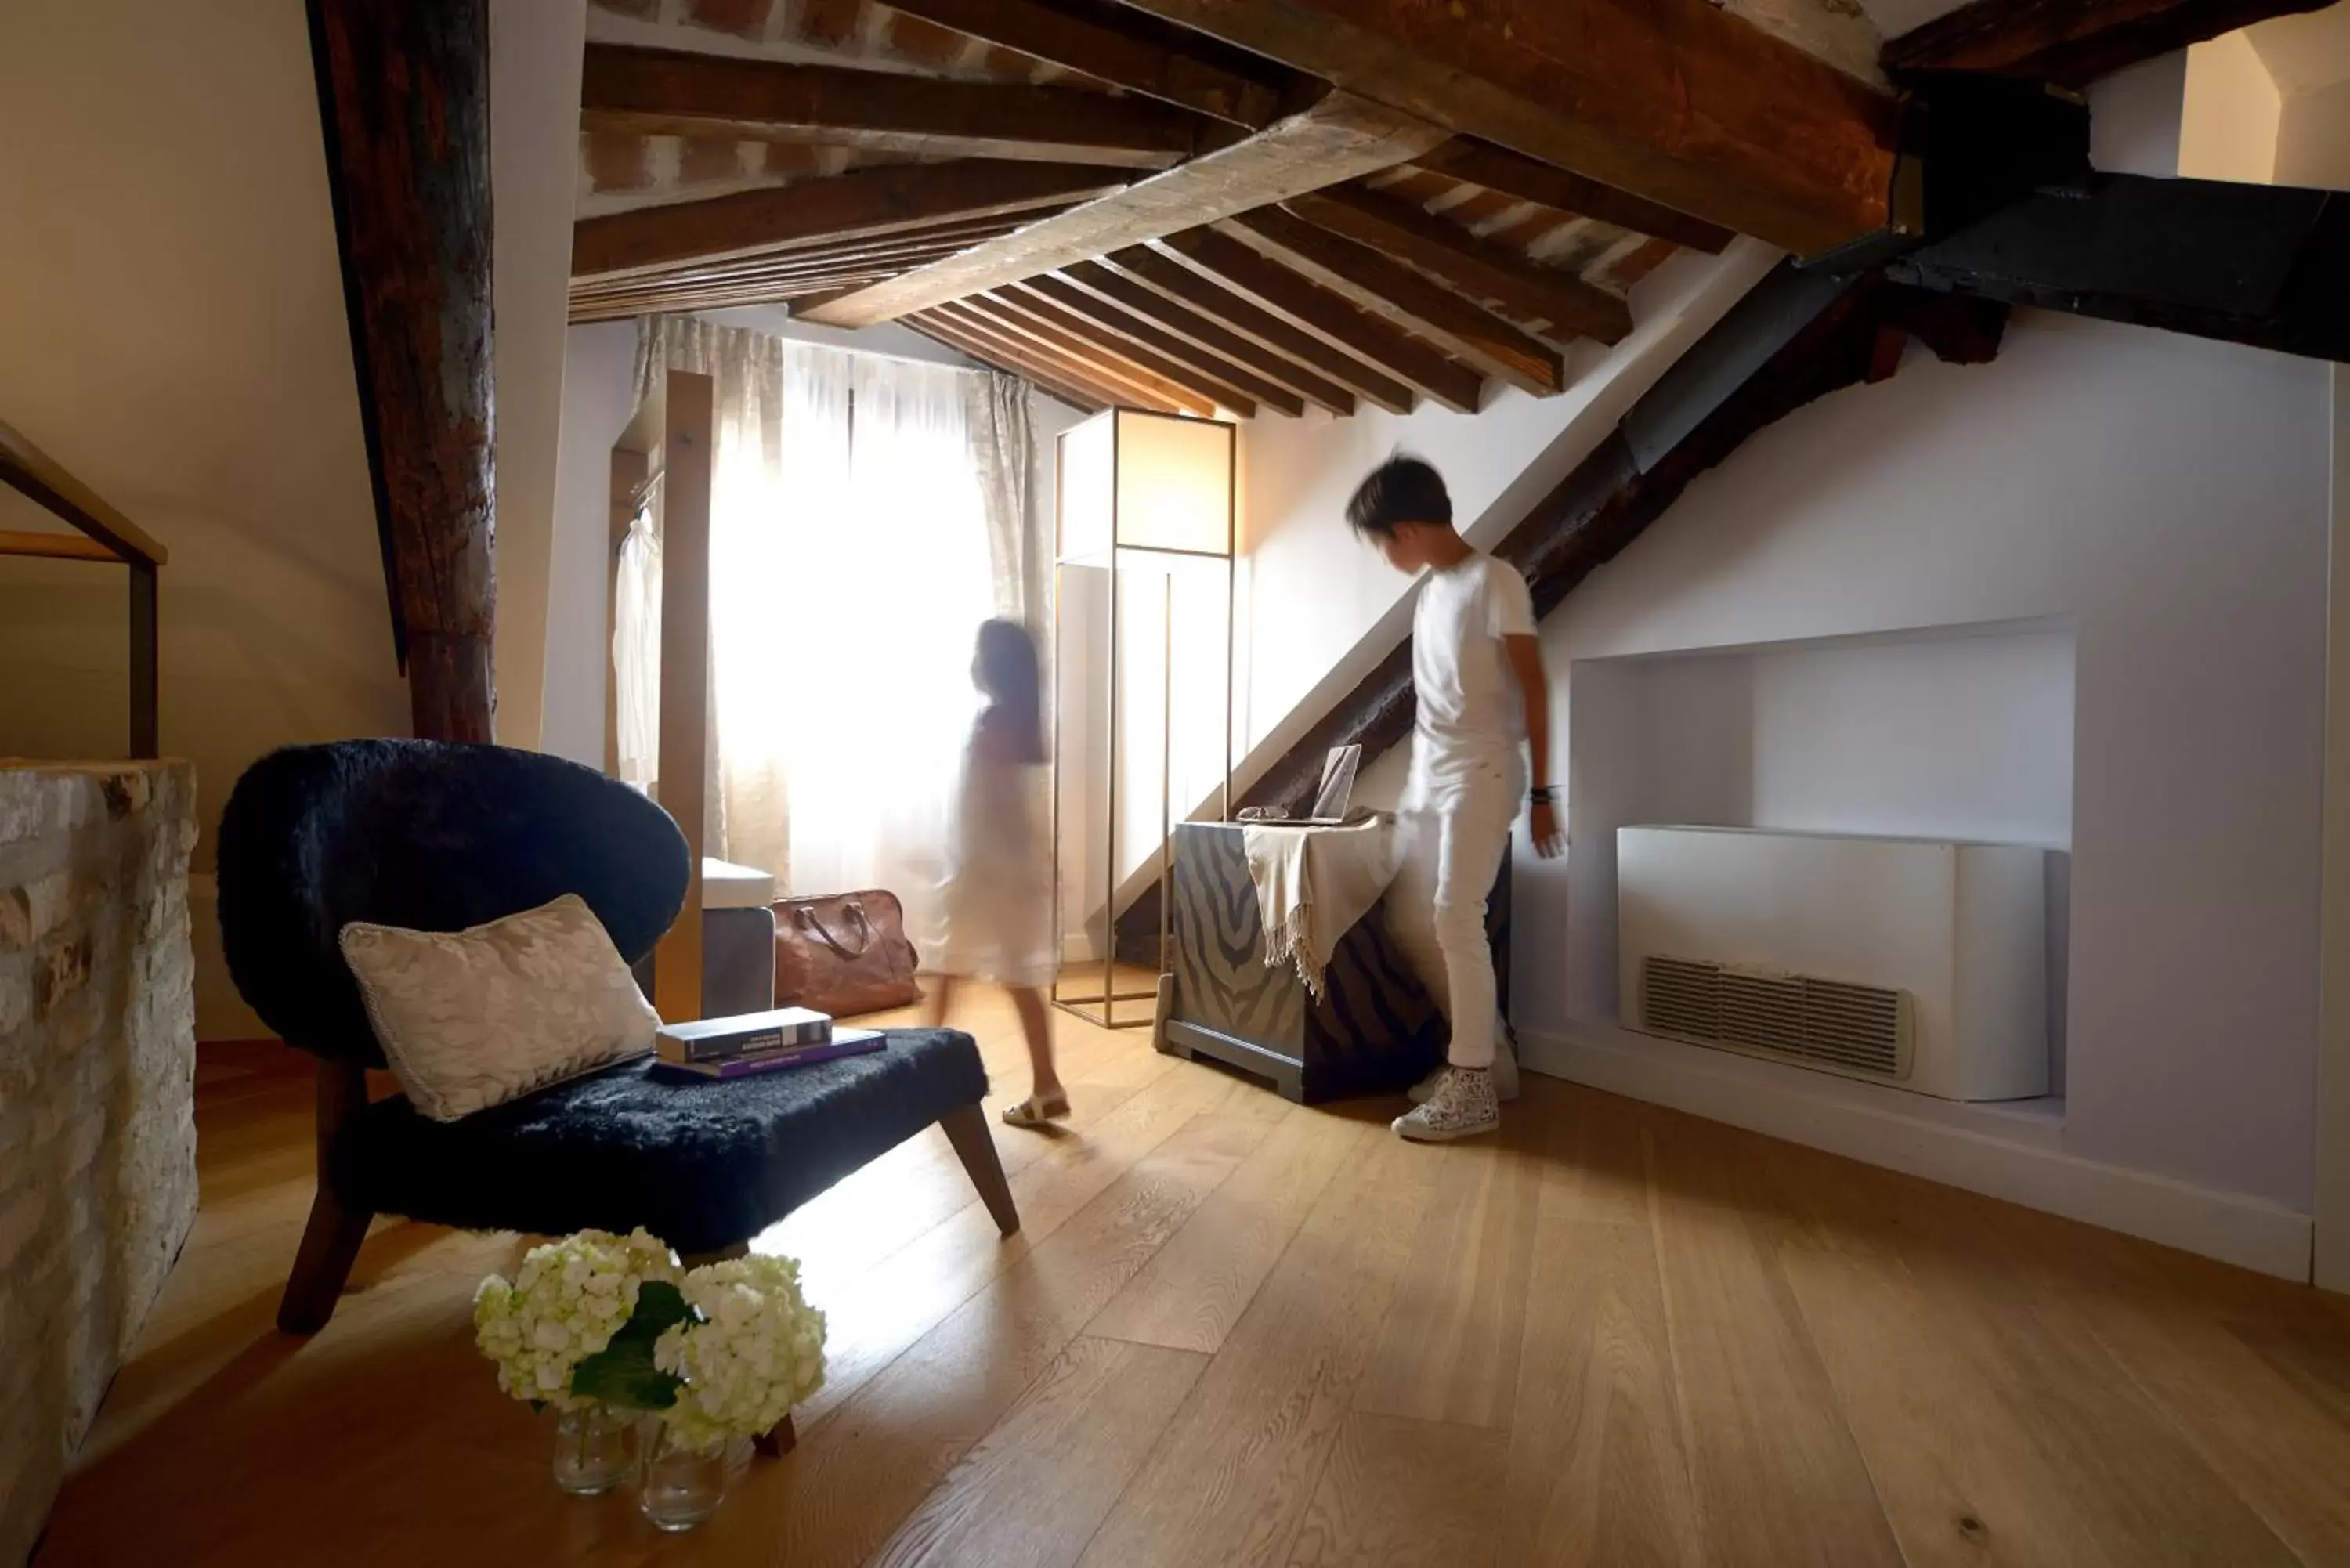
x: 851, y: 564
x: 890, y: 578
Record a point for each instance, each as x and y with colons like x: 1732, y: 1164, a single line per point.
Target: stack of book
x: 756, y: 1043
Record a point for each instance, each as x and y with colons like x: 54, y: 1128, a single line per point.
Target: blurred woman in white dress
x: 998, y: 896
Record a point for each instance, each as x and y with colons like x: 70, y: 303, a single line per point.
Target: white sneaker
x: 1462, y: 1106
x: 1506, y: 1070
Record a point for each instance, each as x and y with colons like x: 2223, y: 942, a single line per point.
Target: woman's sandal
x: 1036, y: 1110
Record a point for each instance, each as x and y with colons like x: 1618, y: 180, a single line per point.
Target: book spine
x: 719, y: 1047
x: 801, y: 1058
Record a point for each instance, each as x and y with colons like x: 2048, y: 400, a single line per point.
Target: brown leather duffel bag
x: 844, y: 953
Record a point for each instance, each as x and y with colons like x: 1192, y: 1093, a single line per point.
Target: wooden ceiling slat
x: 1106, y: 54
x: 1115, y: 369
x: 1339, y: 138
x: 910, y: 253
x: 1476, y: 267
x: 1545, y: 185
x: 664, y: 92
x: 1464, y: 329
x: 1021, y: 298
x: 1331, y: 317
x: 942, y: 238
x: 1172, y: 279
x: 1679, y: 101
x: 1182, y: 321
x: 830, y: 22
x: 1113, y: 388
x: 1068, y: 392
x: 889, y: 198
x: 1181, y: 351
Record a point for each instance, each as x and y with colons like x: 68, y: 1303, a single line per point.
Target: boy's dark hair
x: 1400, y: 490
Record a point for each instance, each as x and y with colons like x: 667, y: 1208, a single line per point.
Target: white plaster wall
x: 534, y: 60
x: 2228, y: 128
x: 2168, y: 497
x: 2314, y: 139
x: 1319, y: 608
x: 599, y: 371
x: 171, y: 330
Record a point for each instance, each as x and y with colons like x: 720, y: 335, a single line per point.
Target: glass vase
x: 677, y: 1487
x: 591, y: 1448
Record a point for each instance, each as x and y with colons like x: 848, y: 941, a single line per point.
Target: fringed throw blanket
x: 1312, y: 884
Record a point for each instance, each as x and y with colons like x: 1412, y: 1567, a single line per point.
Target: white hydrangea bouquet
x: 718, y: 1351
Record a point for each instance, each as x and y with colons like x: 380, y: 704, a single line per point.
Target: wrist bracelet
x: 1544, y: 795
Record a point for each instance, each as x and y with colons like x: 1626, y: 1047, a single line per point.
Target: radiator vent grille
x: 1858, y: 1029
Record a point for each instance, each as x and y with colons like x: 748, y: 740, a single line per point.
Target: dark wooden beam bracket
x: 2070, y: 42
x: 404, y: 106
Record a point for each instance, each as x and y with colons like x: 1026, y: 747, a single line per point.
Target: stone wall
x: 97, y: 1138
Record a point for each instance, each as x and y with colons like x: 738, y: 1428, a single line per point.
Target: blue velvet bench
x: 438, y: 837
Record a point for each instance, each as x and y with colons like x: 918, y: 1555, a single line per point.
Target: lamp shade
x: 1131, y: 480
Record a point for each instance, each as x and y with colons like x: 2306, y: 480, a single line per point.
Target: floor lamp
x: 1140, y: 496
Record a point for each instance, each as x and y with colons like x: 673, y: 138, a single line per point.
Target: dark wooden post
x: 404, y: 109
x: 146, y: 663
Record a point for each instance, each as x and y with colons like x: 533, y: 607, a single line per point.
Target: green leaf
x: 623, y: 1373
x: 623, y: 1377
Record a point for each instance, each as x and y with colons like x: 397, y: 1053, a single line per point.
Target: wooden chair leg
x: 975, y: 1144
x: 330, y: 1245
x: 330, y: 1242
x: 777, y: 1443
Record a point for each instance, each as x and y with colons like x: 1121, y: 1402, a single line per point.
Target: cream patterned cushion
x: 473, y: 1019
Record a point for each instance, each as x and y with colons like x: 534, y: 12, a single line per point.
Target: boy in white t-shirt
x: 1476, y: 667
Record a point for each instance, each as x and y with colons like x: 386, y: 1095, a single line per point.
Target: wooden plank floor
x: 1235, y: 1332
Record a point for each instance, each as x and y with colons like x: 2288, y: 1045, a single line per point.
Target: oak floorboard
x: 855, y: 1478
x: 1405, y: 1494
x: 1996, y: 1433
x: 1597, y: 1468
x: 1190, y: 1294
x: 1230, y: 1483
x: 1037, y: 1486
x: 876, y: 1314
x: 1448, y: 1348
x: 1777, y: 1473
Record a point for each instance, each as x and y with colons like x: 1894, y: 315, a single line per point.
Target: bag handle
x: 808, y: 916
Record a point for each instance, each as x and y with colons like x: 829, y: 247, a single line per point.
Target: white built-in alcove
x: 1946, y: 732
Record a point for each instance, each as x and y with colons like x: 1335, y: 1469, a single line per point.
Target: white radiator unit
x: 1906, y: 962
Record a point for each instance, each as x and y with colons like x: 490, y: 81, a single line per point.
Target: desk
x: 1373, y: 1030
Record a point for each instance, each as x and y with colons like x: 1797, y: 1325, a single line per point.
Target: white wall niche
x: 1957, y: 732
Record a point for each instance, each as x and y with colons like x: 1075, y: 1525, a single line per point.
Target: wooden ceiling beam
x: 2071, y: 45
x: 1107, y: 53
x: 1477, y: 267
x: 1112, y: 369
x: 1678, y: 101
x: 1330, y: 317
x: 1020, y: 297
x: 911, y: 252
x: 1182, y: 321
x: 863, y: 202
x: 1388, y: 288
x: 658, y: 92
x: 1067, y: 392
x: 1338, y: 139
x: 1173, y: 280
x: 1178, y: 350
x: 985, y: 330
x: 1500, y: 169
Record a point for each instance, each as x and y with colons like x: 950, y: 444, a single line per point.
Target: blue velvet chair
x: 438, y: 837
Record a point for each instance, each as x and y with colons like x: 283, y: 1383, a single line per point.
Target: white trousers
x: 1451, y: 837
